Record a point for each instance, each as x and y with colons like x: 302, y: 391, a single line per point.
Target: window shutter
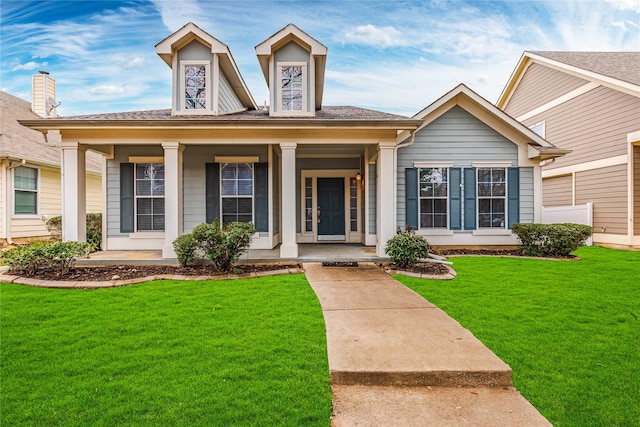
x: 455, y: 199
x: 261, y: 196
x: 212, y: 192
x: 513, y: 183
x: 470, y: 198
x: 411, y: 197
x: 127, y: 198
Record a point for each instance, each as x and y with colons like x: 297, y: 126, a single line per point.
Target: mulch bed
x: 427, y: 268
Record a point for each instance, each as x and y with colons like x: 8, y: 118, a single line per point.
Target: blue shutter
x: 411, y: 197
x: 127, y: 198
x: 261, y: 196
x: 470, y: 198
x: 513, y: 183
x: 212, y: 192
x: 455, y: 199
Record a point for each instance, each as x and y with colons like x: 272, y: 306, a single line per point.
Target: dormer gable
x: 293, y: 64
x: 205, y: 77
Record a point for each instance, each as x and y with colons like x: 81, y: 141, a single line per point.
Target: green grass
x: 570, y: 330
x: 216, y: 353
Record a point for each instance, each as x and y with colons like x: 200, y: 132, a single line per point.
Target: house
x: 301, y: 171
x: 30, y: 189
x: 589, y: 103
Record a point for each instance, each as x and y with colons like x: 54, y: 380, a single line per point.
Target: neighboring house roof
x: 290, y: 33
x: 327, y: 117
x: 492, y: 116
x: 618, y: 70
x: 18, y: 142
x: 169, y: 47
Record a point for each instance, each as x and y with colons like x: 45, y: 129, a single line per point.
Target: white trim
x: 236, y: 159
x: 492, y: 232
x: 333, y: 238
x: 581, y: 167
x: 633, y: 137
x: 559, y: 100
x: 435, y: 232
x: 433, y: 164
x: 307, y: 109
x: 446, y: 199
x: 37, y: 191
x: 208, y: 110
x: 147, y: 235
x: 492, y: 164
x: 146, y: 159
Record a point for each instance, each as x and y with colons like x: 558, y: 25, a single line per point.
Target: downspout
x: 6, y: 223
x: 395, y: 173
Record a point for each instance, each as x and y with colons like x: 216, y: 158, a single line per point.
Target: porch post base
x: 168, y: 252
x: 289, y: 250
x: 380, y: 251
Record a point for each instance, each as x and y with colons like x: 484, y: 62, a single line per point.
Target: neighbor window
x: 292, y: 89
x: 195, y: 77
x: 25, y: 184
x: 433, y: 194
x: 149, y: 196
x: 539, y: 129
x: 492, y: 190
x: 237, y: 192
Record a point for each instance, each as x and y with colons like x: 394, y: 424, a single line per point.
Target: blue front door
x: 331, y: 209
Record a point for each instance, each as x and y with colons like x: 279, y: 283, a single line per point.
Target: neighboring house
x: 30, y: 189
x: 589, y: 103
x: 302, y: 172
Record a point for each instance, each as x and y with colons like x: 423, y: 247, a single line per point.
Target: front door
x: 331, y: 209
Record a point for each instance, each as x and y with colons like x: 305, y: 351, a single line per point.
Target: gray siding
x: 526, y: 194
x: 528, y: 95
x: 291, y: 52
x: 606, y: 188
x: 194, y: 51
x: 557, y: 191
x: 228, y: 102
x: 372, y: 198
x: 458, y: 137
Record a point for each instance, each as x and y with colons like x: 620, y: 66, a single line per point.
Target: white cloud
x: 633, y: 5
x: 127, y: 63
x: 375, y: 36
x: 175, y: 14
x: 31, y: 65
x: 107, y: 89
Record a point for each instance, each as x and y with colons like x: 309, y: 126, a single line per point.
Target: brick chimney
x: 43, y: 88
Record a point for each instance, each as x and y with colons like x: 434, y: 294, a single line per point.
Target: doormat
x: 339, y: 264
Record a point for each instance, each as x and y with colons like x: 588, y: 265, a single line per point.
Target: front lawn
x: 570, y: 330
x: 241, y: 352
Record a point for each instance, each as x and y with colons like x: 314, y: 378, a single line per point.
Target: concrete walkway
x: 396, y: 359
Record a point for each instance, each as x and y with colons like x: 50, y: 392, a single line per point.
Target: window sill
x: 147, y: 235
x: 492, y: 232
x: 435, y: 232
x: 26, y: 216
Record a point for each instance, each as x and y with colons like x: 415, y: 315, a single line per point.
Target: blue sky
x: 395, y: 56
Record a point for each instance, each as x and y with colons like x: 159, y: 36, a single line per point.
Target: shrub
x: 94, y: 229
x: 552, y: 240
x: 185, y: 247
x: 222, y: 245
x: 58, y: 257
x: 406, y: 247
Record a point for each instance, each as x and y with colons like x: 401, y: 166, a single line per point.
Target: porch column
x: 172, y: 196
x: 385, y: 196
x: 74, y: 201
x: 289, y: 246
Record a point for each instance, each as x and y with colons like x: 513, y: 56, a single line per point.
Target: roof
x: 19, y: 142
x: 462, y: 95
x: 617, y: 70
x: 328, y: 116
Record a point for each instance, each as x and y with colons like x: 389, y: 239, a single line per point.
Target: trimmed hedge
x: 552, y: 240
x: 406, y: 247
x: 40, y: 256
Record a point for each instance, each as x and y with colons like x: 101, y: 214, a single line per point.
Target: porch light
x: 358, y: 177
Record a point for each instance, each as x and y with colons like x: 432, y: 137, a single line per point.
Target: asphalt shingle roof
x: 623, y: 66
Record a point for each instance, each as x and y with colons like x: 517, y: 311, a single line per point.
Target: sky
x: 393, y: 56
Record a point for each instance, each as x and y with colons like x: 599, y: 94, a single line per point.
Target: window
x: 195, y: 78
x: 433, y: 194
x: 308, y: 204
x: 539, y: 129
x: 492, y: 190
x: 237, y: 192
x: 25, y: 184
x: 149, y: 193
x: 353, y: 204
x: 292, y: 95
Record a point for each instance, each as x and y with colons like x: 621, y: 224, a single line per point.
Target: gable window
x: 195, y: 78
x: 236, y: 183
x: 433, y: 193
x: 149, y: 193
x: 539, y: 129
x: 292, y: 89
x: 25, y: 184
x: 492, y: 186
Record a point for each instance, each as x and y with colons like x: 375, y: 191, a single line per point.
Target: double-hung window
x: 433, y: 193
x: 237, y: 192
x: 492, y: 190
x: 149, y: 191
x: 25, y: 184
x: 292, y: 87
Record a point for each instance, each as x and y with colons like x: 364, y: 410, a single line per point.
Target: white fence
x: 580, y: 214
